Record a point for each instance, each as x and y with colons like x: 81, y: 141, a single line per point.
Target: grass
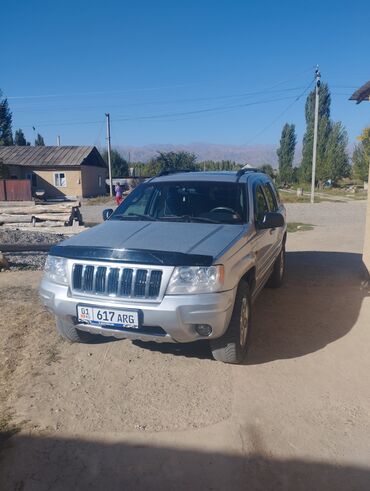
x: 298, y: 227
x: 287, y: 197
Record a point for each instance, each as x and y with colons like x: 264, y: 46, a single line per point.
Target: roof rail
x: 241, y: 172
x: 174, y: 171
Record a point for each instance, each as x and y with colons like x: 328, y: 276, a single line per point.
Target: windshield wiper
x: 188, y: 218
x: 136, y: 215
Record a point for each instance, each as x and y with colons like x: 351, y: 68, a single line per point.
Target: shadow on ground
x: 44, y: 463
x: 318, y: 304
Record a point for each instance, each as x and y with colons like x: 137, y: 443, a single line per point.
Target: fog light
x: 203, y: 329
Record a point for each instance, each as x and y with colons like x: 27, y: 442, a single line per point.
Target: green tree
x: 211, y: 165
x: 324, y: 127
x: 365, y: 140
x: 285, y: 153
x: 360, y: 162
x: 119, y: 164
x: 20, y: 139
x: 170, y: 161
x: 268, y: 169
x: 6, y: 135
x: 39, y: 142
x: 335, y: 164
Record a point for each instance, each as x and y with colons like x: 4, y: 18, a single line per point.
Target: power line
x: 281, y: 114
x: 160, y: 116
x: 241, y: 95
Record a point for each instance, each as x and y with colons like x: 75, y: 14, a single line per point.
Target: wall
x: 90, y: 180
x: 45, y: 180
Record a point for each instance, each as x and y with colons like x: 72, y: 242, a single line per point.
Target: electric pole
x: 109, y: 156
x: 315, y: 127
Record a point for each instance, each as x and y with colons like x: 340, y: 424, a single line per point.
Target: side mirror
x: 272, y: 219
x: 107, y: 213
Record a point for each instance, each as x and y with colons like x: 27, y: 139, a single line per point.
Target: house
x: 63, y: 171
x: 363, y: 95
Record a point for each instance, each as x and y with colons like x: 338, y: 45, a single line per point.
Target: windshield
x: 210, y: 202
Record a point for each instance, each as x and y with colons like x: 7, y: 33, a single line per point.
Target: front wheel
x: 232, y: 346
x: 69, y: 332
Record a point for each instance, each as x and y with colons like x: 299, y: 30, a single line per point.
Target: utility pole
x: 315, y: 127
x: 109, y: 155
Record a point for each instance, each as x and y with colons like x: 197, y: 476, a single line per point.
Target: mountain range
x: 256, y: 155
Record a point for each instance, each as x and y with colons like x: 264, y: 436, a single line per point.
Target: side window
x: 260, y: 205
x: 140, y: 202
x: 270, y: 197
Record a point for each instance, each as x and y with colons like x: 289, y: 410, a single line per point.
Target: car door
x: 264, y: 242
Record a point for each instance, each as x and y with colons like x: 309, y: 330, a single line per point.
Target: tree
x: 268, y: 169
x: 285, y: 153
x: 169, y: 161
x: 323, y: 130
x: 39, y: 142
x: 6, y: 135
x: 210, y: 165
x: 360, y: 163
x: 365, y: 140
x: 20, y: 139
x: 336, y: 162
x: 361, y: 156
x: 119, y: 164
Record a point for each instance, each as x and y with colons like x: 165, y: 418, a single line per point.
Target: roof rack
x: 241, y: 172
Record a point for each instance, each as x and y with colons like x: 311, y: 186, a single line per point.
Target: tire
x: 232, y: 346
x: 69, y: 332
x: 278, y: 271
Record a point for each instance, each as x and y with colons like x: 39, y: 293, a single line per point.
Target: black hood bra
x: 135, y: 256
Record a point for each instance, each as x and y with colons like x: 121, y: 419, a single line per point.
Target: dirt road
x: 117, y: 415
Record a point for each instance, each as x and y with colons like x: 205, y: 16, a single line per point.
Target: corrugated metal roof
x: 362, y: 94
x: 63, y: 156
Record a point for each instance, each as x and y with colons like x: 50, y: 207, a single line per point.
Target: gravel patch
x: 27, y: 260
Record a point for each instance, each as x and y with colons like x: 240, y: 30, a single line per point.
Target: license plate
x: 124, y: 319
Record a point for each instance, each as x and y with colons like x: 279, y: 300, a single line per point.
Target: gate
x: 15, y: 190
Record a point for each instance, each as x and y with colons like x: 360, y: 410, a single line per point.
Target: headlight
x: 196, y: 279
x: 56, y: 270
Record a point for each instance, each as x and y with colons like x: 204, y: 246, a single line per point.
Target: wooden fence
x: 15, y: 190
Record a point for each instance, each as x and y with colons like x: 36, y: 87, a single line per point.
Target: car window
x: 140, y: 201
x: 260, y: 204
x: 270, y: 196
x: 201, y: 201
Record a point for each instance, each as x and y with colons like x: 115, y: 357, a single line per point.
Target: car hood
x: 177, y: 237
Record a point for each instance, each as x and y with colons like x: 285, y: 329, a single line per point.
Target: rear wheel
x: 232, y: 346
x: 69, y: 332
x: 277, y: 275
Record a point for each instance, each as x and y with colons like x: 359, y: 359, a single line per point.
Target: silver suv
x: 181, y: 259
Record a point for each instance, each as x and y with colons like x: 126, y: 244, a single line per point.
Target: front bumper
x: 175, y: 314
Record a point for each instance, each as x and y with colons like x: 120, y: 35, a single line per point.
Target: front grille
x: 115, y: 281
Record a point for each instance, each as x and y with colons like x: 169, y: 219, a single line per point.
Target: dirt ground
x: 119, y: 415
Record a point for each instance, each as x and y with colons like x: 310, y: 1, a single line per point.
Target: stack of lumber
x: 40, y: 215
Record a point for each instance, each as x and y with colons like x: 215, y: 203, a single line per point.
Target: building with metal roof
x: 361, y: 94
x: 60, y: 171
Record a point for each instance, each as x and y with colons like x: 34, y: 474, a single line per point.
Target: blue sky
x: 224, y: 72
